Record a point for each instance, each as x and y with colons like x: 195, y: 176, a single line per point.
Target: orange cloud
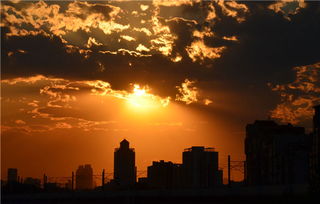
x: 78, y: 16
x: 144, y: 7
x: 164, y: 38
x: 188, y: 93
x: 158, y: 31
x: 20, y: 122
x: 207, y: 101
x: 143, y: 30
x: 61, y: 91
x: 287, y: 7
x: 139, y: 97
x: 211, y: 13
x: 173, y: 2
x: 128, y: 38
x: 142, y: 48
x: 299, y: 96
x: 206, y: 32
x: 57, y: 103
x: 91, y: 42
x: 230, y: 38
x: 199, y: 51
x: 32, y: 79
x: 233, y: 9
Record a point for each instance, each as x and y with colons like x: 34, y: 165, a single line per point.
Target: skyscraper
x: 12, y: 175
x: 124, y: 165
x: 276, y: 154
x: 84, y: 177
x: 200, y: 167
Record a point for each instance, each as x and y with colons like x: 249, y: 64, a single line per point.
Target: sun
x: 141, y: 99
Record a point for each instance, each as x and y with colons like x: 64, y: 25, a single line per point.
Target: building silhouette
x: 84, y: 177
x: 219, y: 177
x: 32, y: 182
x: 315, y: 153
x: 276, y: 154
x: 12, y: 176
x: 200, y: 167
x: 164, y: 175
x: 124, y: 165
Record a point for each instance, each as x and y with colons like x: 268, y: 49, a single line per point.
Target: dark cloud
x: 268, y: 47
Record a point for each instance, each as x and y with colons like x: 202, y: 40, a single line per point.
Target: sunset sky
x: 77, y: 77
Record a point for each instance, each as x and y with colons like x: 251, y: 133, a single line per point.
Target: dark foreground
x: 165, y: 196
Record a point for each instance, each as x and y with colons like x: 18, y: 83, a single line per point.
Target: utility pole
x: 45, y: 181
x: 72, y: 181
x: 102, y: 185
x: 229, y: 179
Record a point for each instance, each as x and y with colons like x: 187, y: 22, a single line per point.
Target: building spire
x: 124, y: 144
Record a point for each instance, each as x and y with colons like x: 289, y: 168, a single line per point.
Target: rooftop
x: 200, y: 148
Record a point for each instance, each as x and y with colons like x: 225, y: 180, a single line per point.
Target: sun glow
x: 140, y: 98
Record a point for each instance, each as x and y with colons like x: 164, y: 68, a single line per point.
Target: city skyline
x: 282, y: 163
x: 199, y: 169
x: 12, y: 174
x: 78, y: 77
x: 275, y: 155
x: 258, y: 135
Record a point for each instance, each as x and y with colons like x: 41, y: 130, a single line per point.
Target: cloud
x: 62, y: 93
x: 207, y: 101
x: 142, y: 48
x: 92, y: 42
x: 20, y: 122
x: 78, y: 16
x: 300, y: 96
x: 90, y: 32
x: 56, y: 103
x: 144, y: 7
x: 173, y: 3
x: 214, y: 42
x: 128, y: 38
x: 165, y: 38
x: 233, y: 9
x: 63, y: 125
x: 199, y: 51
x: 188, y: 93
x: 288, y: 7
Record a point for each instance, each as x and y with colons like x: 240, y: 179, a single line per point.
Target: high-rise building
x: 84, y: 177
x: 315, y: 153
x: 124, y: 165
x: 276, y: 154
x: 12, y: 175
x: 200, y: 167
x: 164, y: 175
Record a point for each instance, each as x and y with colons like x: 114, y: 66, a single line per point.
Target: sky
x: 77, y: 77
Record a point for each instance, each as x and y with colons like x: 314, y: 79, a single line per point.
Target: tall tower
x: 124, y: 164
